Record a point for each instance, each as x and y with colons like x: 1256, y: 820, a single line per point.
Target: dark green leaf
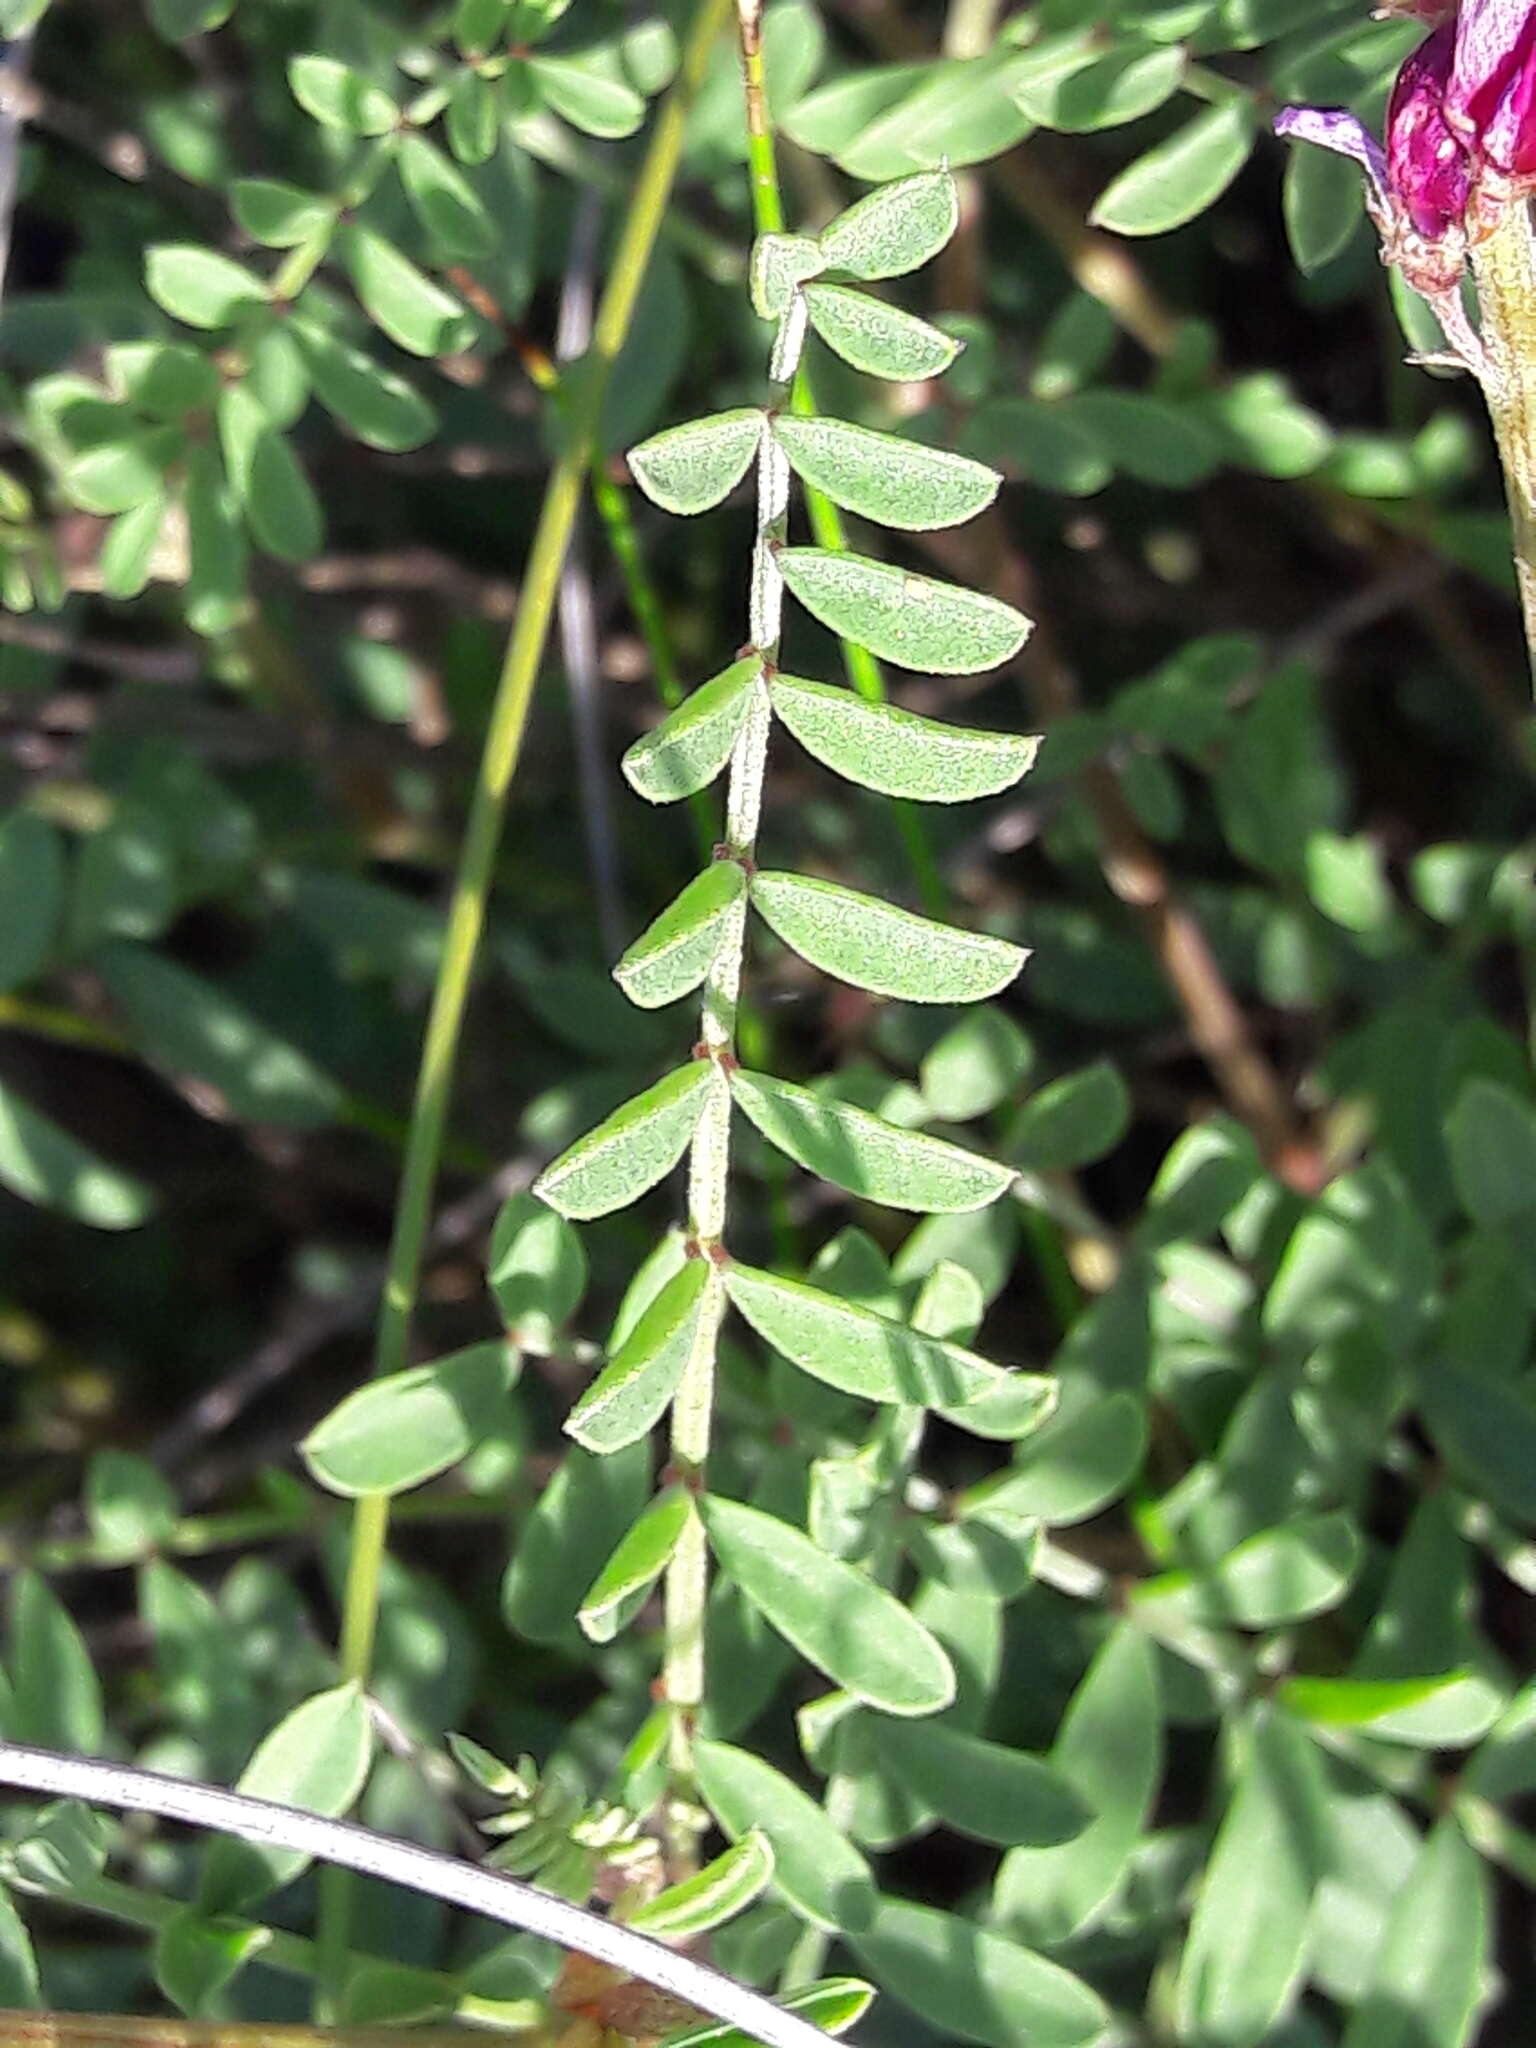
x: 975, y: 1984
x: 335, y: 95
x: 44, y: 1165
x: 397, y: 1432
x: 995, y: 1794
x: 816, y: 1867
x: 1181, y: 176
x: 536, y: 1269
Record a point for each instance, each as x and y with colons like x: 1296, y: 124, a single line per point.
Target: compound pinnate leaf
x: 1182, y: 176
x: 643, y: 1554
x: 912, y: 620
x: 875, y: 946
x: 1426, y: 1979
x: 336, y: 96
x: 878, y: 339
x: 974, y: 1984
x: 200, y: 286
x: 816, y: 1867
x: 720, y: 1890
x: 899, y: 753
x: 853, y: 1348
x: 688, y: 469
x: 780, y: 265
x: 981, y: 1788
x: 833, y: 2004
x: 1247, y: 1940
x: 835, y: 1616
x: 630, y: 1395
x: 399, y: 1431
x: 895, y: 229
x: 901, y: 483
x: 316, y: 1758
x: 865, y: 1154
x: 673, y: 954
x: 690, y: 746
x: 1109, y: 1748
x: 631, y: 1150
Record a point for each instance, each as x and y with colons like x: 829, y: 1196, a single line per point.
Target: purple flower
x: 1418, y: 187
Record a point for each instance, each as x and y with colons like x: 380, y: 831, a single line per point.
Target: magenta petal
x: 1495, y: 44
x: 1332, y: 128
x: 1427, y: 168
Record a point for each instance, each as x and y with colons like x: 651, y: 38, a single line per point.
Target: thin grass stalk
x: 466, y: 913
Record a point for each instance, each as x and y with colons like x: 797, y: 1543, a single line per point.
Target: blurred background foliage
x: 289, y: 286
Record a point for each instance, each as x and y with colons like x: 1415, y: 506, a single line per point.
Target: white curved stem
x: 478, y: 1890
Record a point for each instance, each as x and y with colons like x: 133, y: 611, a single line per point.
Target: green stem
x: 1505, y: 267
x: 466, y: 914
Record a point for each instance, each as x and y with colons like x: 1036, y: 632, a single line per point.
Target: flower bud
x: 1490, y: 101
x: 1427, y: 168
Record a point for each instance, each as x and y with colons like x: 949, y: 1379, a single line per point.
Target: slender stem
x: 466, y: 914
x: 1505, y: 265
x: 469, y: 1885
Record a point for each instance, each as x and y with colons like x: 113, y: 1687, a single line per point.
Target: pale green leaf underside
x: 673, y: 954
x: 693, y: 743
x: 629, y: 1151
x: 688, y: 469
x: 779, y: 264
x: 865, y: 1154
x: 899, y: 753
x: 878, y: 339
x: 835, y: 1616
x: 855, y: 1350
x: 915, y: 621
x: 877, y: 947
x: 884, y: 476
x: 716, y: 1893
x: 894, y: 229
x: 630, y: 1395
x: 642, y: 1555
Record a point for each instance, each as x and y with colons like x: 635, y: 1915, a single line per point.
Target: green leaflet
x: 718, y: 1892
x: 895, y: 229
x: 1247, y: 1940
x: 397, y: 1432
x: 912, y: 620
x: 1182, y: 175
x: 43, y: 1164
x: 833, y: 2004
x: 874, y: 945
x: 1109, y: 1748
x: 876, y: 338
x: 834, y: 1615
x: 673, y: 954
x: 631, y: 1393
x: 901, y: 483
x: 631, y: 1150
x: 339, y: 97
x: 994, y: 1793
x: 1427, y: 1976
x: 816, y: 1867
x: 899, y: 753
x: 854, y: 1349
x: 693, y: 743
x: 863, y: 1153
x: 317, y: 1757
x: 975, y: 1984
x: 688, y: 469
x: 643, y: 1554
